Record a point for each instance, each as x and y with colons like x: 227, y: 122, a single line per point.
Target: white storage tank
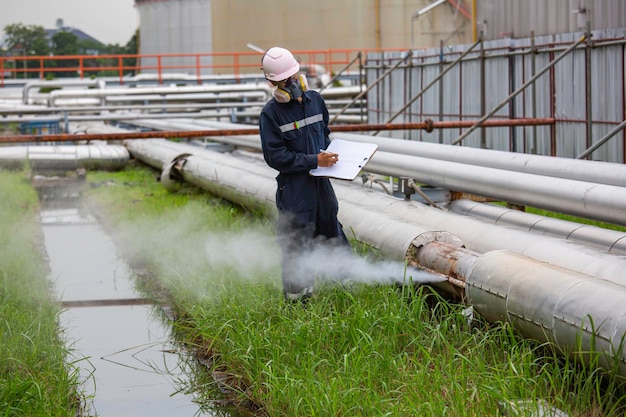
x: 175, y: 27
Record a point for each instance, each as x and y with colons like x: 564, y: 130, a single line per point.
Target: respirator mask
x: 292, y: 87
x: 292, y: 90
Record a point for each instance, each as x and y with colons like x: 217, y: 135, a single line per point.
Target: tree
x: 26, y: 40
x: 65, y: 43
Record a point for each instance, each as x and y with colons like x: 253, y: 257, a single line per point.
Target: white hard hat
x: 279, y: 64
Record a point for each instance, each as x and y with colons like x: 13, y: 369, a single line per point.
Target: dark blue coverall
x: 292, y: 135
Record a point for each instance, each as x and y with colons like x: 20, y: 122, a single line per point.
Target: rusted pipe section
x: 450, y: 260
x: 427, y: 125
x: 582, y: 315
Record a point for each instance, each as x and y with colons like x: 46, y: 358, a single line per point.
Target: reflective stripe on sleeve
x: 301, y: 123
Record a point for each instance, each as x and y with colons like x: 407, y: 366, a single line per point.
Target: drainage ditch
x: 128, y: 360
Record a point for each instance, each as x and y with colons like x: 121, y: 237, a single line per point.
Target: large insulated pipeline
x: 65, y: 157
x: 584, y: 317
x: 585, y: 199
x: 608, y: 240
x: 575, y: 169
x: 481, y: 237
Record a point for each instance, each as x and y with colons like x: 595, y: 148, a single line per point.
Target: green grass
x: 546, y: 213
x: 34, y: 379
x: 357, y: 350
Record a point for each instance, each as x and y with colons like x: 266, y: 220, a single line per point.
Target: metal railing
x: 195, y: 64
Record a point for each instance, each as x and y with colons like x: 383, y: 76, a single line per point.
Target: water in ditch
x: 128, y: 361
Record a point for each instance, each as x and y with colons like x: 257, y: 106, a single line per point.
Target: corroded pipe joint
x: 429, y: 125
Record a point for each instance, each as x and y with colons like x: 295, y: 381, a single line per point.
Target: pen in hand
x: 327, y: 158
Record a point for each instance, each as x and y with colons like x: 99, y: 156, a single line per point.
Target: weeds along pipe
x: 590, y: 200
x: 608, y: 240
x: 65, y: 158
x: 581, y: 170
x: 583, y: 316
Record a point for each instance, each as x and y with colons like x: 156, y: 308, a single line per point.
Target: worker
x: 294, y: 132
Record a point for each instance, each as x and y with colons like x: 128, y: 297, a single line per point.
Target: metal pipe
x: 102, y: 94
x: 111, y: 108
x: 427, y: 125
x: 519, y: 90
x: 588, y: 86
x: 591, y: 171
x: 65, y: 158
x: 58, y: 83
x: 481, y: 237
x: 611, y: 241
x: 579, y: 198
x: 583, y: 316
x: 585, y: 199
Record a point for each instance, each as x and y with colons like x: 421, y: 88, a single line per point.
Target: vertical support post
x: 533, y: 54
x: 512, y: 106
x: 588, y: 89
x: 483, y: 98
x: 198, y: 71
x: 120, y: 66
x: 159, y: 70
x: 441, y: 63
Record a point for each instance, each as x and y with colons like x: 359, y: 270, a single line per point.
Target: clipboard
x: 353, y: 156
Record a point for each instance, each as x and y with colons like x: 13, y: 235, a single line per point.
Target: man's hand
x: 327, y: 159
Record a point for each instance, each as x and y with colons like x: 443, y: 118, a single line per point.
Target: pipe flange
x: 433, y: 236
x: 171, y: 176
x: 430, y: 126
x: 437, y: 236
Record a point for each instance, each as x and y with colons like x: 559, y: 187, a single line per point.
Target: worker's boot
x: 298, y: 297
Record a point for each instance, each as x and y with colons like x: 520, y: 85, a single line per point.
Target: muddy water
x: 128, y: 364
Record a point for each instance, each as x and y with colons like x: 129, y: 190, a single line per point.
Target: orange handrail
x: 235, y: 63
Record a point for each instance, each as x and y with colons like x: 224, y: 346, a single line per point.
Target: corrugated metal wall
x: 516, y: 19
x: 561, y: 93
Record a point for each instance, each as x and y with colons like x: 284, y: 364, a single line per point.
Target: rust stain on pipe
x: 427, y: 125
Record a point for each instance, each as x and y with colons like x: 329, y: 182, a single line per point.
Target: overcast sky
x: 109, y: 21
